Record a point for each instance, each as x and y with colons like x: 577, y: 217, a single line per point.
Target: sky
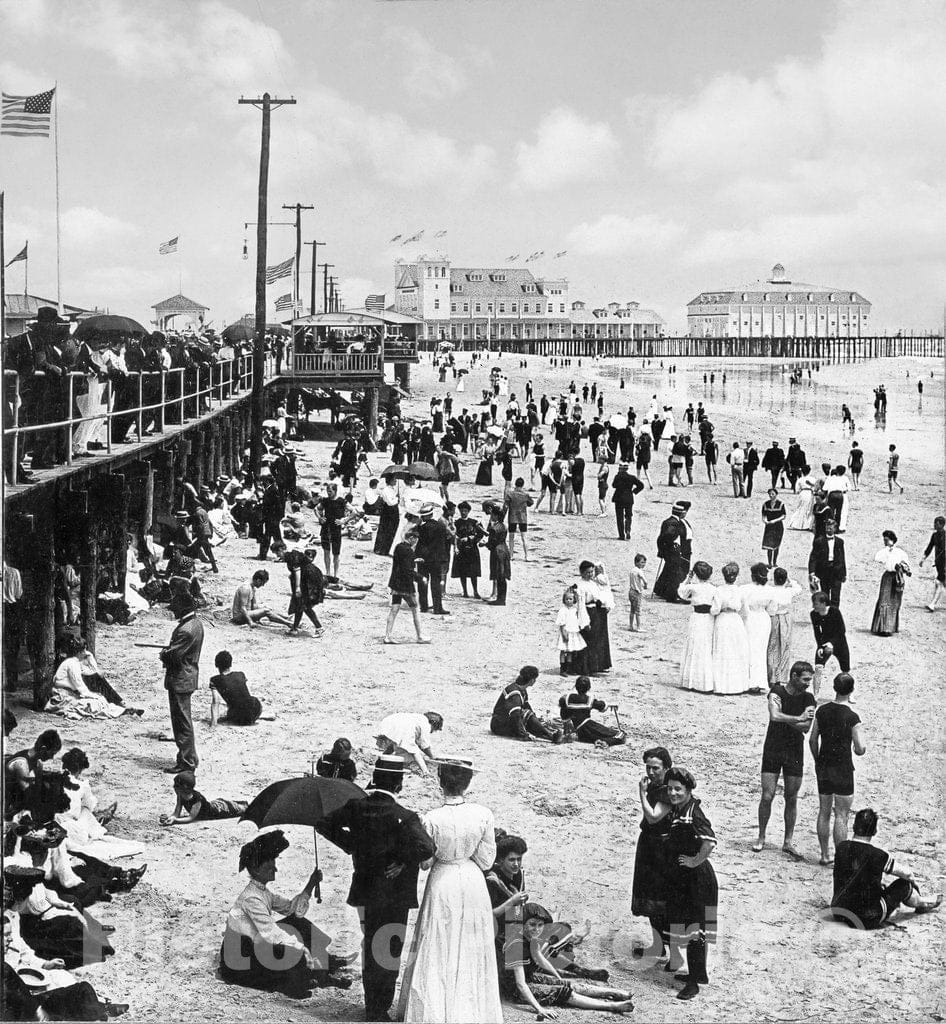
x: 669, y: 149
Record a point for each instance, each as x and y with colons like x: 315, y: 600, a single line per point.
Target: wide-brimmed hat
x: 681, y: 506
x: 49, y: 315
x: 456, y: 761
x: 181, y: 514
x: 264, y: 847
x: 427, y: 511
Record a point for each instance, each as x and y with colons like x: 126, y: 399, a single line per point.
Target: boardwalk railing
x: 166, y: 396
x: 335, y: 365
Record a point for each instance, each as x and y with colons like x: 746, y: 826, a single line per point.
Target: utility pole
x: 333, y: 293
x: 315, y: 248
x: 298, y: 207
x: 264, y: 103
x: 325, y: 269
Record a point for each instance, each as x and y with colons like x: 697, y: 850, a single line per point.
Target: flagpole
x: 58, y: 232
x: 3, y: 279
x: 26, y: 271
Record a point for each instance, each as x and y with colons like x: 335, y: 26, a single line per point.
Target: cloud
x: 89, y: 228
x: 427, y: 68
x: 615, y: 234
x: 566, y: 149
x: 23, y: 16
x: 395, y: 151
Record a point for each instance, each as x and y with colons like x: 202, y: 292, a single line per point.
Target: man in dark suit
x: 433, y: 550
x: 625, y: 487
x: 387, y: 843
x: 827, y: 564
x: 675, y: 547
x: 181, y: 660
x: 795, y: 462
x: 774, y: 462
x: 751, y: 465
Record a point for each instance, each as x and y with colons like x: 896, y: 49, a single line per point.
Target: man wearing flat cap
x: 674, y: 546
x: 387, y: 844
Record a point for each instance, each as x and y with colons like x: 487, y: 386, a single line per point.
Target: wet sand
x: 576, y: 806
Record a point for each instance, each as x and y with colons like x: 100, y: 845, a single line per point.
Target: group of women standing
x: 820, y: 498
x: 675, y: 885
x: 739, y: 637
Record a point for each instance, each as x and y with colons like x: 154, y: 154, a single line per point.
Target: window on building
x: 744, y: 296
x: 466, y: 330
x: 489, y: 307
x: 456, y: 287
x: 498, y: 277
x: 502, y: 307
x: 443, y: 271
x: 436, y: 303
x: 810, y: 297
x: 561, y: 307
x: 476, y: 277
x: 453, y: 307
x: 549, y: 310
x: 502, y: 330
x: 466, y: 307
x: 514, y: 307
x: 478, y: 307
x: 525, y: 307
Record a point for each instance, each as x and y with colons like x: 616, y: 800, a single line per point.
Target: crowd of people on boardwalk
x: 479, y: 937
x: 111, y: 371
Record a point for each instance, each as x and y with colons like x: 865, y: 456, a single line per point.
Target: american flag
x: 374, y: 302
x: 284, y: 269
x: 284, y: 302
x: 27, y: 115
x: 23, y: 254
x: 169, y: 246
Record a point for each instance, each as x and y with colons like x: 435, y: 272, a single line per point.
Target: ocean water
x: 757, y: 402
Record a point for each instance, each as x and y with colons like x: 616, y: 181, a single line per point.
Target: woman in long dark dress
x: 389, y: 516
x: 886, y: 619
x: 773, y: 515
x: 692, y: 890
x: 466, y: 561
x: 648, y: 898
x: 594, y: 592
x: 500, y: 566
x: 484, y: 473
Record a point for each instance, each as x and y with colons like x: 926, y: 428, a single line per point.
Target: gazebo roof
x: 179, y: 304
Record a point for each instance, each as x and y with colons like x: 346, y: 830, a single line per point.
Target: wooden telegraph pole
x: 325, y: 269
x: 298, y: 207
x: 264, y: 103
x: 315, y: 249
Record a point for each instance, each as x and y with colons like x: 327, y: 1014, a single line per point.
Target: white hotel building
x: 475, y: 303
x: 779, y: 308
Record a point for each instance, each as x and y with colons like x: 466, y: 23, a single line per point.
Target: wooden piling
x: 41, y: 605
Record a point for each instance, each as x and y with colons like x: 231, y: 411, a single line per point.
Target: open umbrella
x: 302, y: 801
x: 422, y: 471
x: 398, y: 472
x: 618, y: 421
x: 108, y: 323
x: 494, y: 431
x: 238, y: 332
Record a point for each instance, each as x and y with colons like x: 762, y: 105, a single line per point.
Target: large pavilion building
x: 779, y: 308
x: 507, y: 304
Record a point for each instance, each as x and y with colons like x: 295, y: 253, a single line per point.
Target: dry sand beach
x: 576, y: 806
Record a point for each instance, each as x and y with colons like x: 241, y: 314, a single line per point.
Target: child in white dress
x: 572, y: 618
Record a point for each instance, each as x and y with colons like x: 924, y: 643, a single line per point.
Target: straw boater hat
x: 427, y: 511
x: 456, y: 761
x: 681, y: 506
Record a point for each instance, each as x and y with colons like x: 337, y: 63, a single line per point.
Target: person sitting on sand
x: 193, y: 806
x: 71, y: 698
x: 860, y: 898
x: 246, y: 610
x: 513, y: 715
x: 337, y: 763
x: 576, y: 709
x: 408, y: 736
x: 526, y: 975
x: 230, y: 688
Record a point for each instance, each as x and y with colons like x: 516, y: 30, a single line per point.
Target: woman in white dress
x: 730, y: 642
x: 802, y: 517
x: 451, y: 974
x: 779, y: 654
x: 755, y: 601
x: 696, y: 669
